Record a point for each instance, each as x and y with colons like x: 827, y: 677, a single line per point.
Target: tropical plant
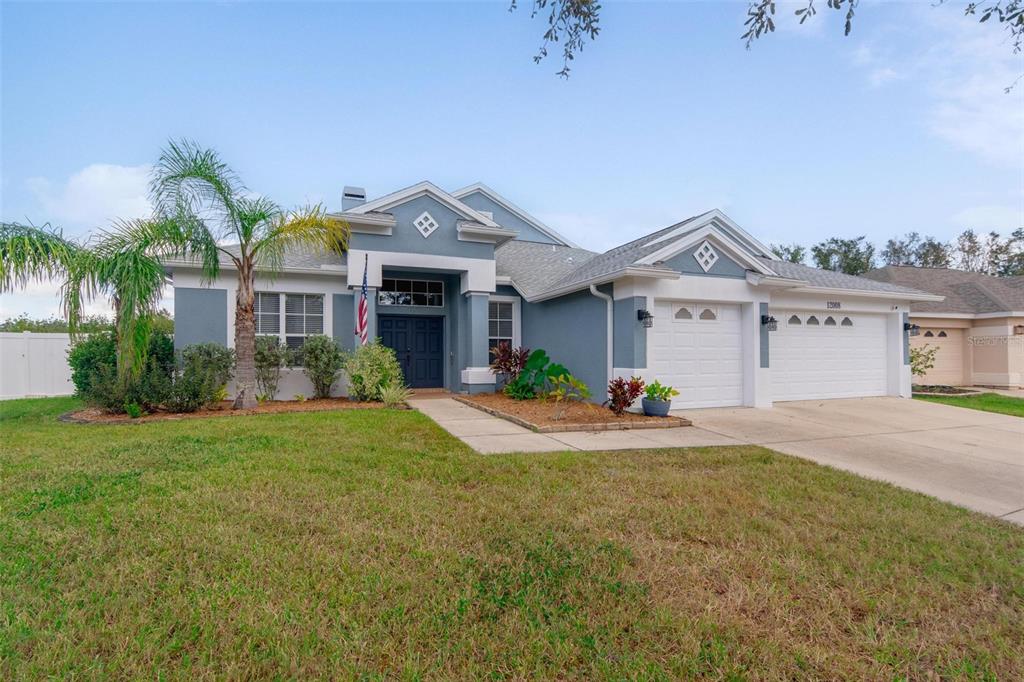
x: 322, y: 361
x: 371, y: 368
x: 507, y: 361
x: 205, y: 212
x: 623, y: 393
x: 121, y: 270
x: 660, y: 392
x: 566, y: 390
x: 270, y: 357
x: 93, y: 362
x: 922, y: 359
x: 536, y: 375
x: 394, y: 394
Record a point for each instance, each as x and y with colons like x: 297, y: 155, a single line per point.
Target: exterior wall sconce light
x: 770, y: 323
x: 645, y: 317
x: 1018, y: 330
x: 913, y: 329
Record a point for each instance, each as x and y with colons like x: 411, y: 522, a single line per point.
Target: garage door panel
x: 827, y: 361
x: 702, y: 359
x: 949, y: 359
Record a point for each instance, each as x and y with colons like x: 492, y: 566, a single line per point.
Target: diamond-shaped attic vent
x: 426, y: 224
x: 705, y: 256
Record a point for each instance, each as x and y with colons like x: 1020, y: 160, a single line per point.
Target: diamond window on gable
x: 705, y: 256
x: 426, y: 224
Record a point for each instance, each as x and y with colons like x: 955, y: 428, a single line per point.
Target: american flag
x: 363, y: 321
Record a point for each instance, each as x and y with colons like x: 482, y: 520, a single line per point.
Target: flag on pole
x: 363, y: 316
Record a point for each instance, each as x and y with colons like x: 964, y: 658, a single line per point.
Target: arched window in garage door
x: 942, y: 335
x: 847, y: 322
x: 928, y: 335
x: 812, y: 321
x: 830, y: 321
x: 794, y: 320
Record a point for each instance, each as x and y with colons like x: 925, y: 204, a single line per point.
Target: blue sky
x: 901, y: 126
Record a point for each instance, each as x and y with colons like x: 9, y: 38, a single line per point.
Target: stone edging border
x: 666, y: 423
x: 964, y: 394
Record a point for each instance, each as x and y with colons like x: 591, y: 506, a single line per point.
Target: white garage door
x: 695, y: 347
x: 816, y: 355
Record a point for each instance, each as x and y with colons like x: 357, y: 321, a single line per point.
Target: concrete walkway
x: 487, y: 434
x: 971, y: 458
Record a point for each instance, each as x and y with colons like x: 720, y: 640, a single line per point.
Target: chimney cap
x: 354, y: 192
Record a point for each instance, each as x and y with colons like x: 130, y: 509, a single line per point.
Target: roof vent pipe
x: 352, y: 197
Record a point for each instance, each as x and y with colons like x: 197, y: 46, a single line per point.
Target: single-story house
x: 978, y: 328
x: 701, y: 305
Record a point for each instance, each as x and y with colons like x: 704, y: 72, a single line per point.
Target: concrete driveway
x: 971, y: 458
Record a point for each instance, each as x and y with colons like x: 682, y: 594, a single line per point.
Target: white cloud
x: 963, y: 69
x: 1001, y: 219
x: 94, y: 196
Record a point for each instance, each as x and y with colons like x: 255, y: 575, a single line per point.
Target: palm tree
x: 205, y: 213
x: 110, y: 266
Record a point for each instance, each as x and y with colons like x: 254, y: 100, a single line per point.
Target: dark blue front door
x: 419, y: 344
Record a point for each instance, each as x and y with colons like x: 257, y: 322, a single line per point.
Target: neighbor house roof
x: 829, y: 279
x: 969, y: 293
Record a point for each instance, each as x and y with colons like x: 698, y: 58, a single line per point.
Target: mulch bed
x: 96, y: 416
x: 943, y: 390
x: 539, y: 415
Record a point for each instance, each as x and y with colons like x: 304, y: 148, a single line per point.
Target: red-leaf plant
x: 507, y: 361
x: 623, y: 393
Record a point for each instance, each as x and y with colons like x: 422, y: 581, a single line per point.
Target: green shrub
x: 922, y: 359
x: 394, y: 394
x: 270, y: 357
x: 658, y: 391
x: 87, y: 357
x: 205, y: 370
x: 322, y: 361
x: 370, y: 369
x: 537, y: 374
x: 133, y: 410
x: 93, y: 362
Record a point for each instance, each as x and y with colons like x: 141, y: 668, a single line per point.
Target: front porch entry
x: 418, y: 341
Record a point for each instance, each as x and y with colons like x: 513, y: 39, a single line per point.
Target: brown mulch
x: 540, y: 415
x: 943, y: 390
x: 96, y: 416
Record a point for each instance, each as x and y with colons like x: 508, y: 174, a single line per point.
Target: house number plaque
x: 833, y: 305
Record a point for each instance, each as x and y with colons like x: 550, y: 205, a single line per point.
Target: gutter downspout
x: 610, y: 303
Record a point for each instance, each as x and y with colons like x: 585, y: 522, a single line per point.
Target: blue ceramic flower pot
x: 656, y: 408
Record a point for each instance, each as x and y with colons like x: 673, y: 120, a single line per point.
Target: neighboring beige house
x: 978, y: 328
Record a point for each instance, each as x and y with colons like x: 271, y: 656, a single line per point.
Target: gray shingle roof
x: 535, y: 267
x: 816, y: 277
x: 965, y: 292
x: 295, y: 259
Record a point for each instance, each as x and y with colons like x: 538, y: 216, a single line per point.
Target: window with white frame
x: 499, y: 323
x: 289, y: 317
x: 411, y: 292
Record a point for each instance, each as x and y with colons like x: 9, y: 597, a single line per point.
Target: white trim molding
x: 511, y: 208
x: 477, y: 273
x: 424, y: 188
x: 476, y: 376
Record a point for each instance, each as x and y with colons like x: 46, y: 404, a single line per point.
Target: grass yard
x: 988, y: 402
x: 370, y: 544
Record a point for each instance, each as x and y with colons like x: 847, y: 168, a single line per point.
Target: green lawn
x: 371, y: 544
x: 988, y: 402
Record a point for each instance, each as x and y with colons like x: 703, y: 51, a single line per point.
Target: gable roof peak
x: 425, y: 187
x: 513, y: 209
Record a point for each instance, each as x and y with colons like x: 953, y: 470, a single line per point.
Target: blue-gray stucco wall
x: 505, y: 218
x: 723, y: 267
x: 763, y: 333
x: 343, y: 322
x: 200, y: 316
x: 444, y: 241
x: 573, y: 330
x: 629, y: 348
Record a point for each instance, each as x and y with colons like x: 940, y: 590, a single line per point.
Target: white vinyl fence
x: 34, y: 364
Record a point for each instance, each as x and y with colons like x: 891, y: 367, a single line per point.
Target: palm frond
x: 190, y: 179
x: 33, y: 253
x: 310, y: 228
x: 256, y: 218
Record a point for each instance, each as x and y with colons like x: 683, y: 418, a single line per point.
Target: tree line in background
x: 991, y: 254
x: 162, y: 322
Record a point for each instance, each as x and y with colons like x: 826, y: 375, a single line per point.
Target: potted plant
x: 658, y: 400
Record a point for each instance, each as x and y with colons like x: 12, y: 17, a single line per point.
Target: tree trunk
x: 245, y: 341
